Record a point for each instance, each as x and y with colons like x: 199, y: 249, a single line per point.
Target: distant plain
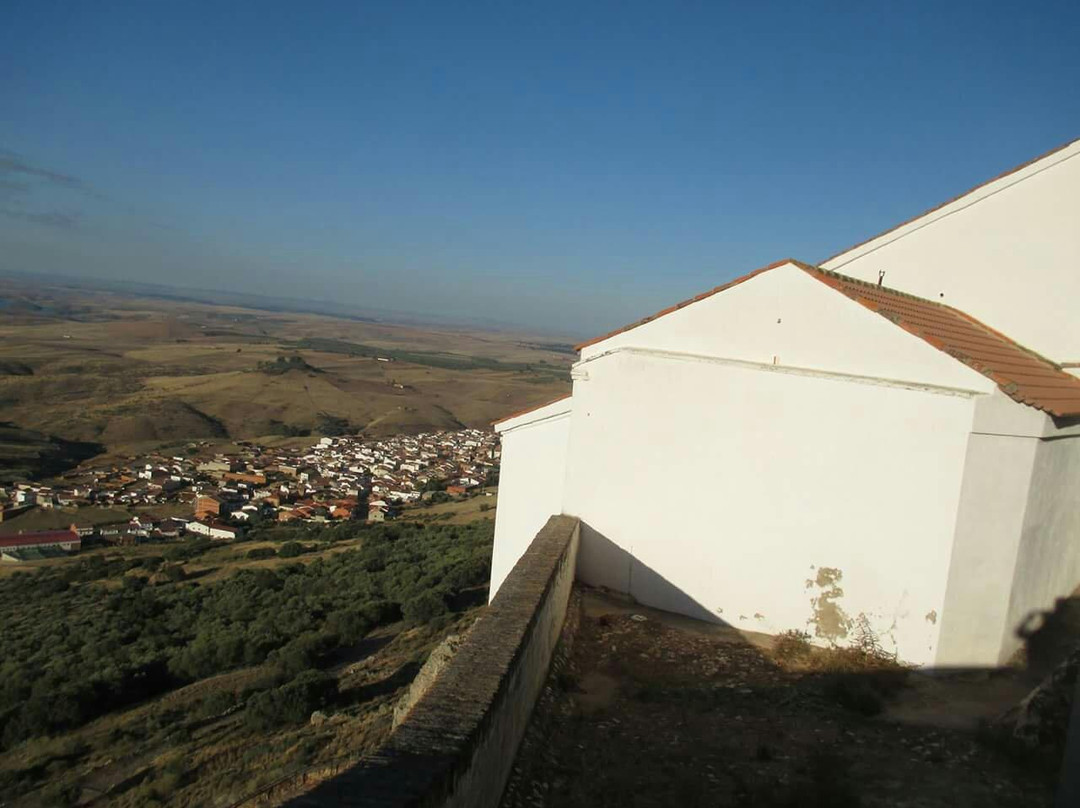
x: 135, y: 372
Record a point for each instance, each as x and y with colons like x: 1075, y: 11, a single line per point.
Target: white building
x: 802, y: 449
x: 215, y: 530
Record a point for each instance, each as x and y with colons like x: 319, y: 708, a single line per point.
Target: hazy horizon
x: 564, y: 169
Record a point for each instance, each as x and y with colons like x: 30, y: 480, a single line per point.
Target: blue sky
x: 562, y: 166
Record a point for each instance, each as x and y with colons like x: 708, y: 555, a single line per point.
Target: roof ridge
x: 859, y: 282
x: 688, y: 301
x: 965, y: 338
x: 533, y: 408
x: 957, y: 198
x: 960, y: 312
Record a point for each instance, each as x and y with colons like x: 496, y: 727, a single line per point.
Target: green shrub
x: 127, y: 644
x: 291, y: 549
x: 424, y: 608
x: 173, y: 572
x: 292, y: 703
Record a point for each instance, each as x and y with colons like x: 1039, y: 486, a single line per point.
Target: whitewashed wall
x: 787, y: 318
x: 530, y: 482
x: 764, y: 433
x: 777, y: 456
x: 718, y: 489
x: 1001, y: 456
x: 1006, y: 254
x: 1048, y: 563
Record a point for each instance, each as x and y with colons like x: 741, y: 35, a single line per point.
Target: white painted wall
x: 788, y: 318
x: 530, y: 482
x: 731, y: 486
x: 1048, y: 563
x: 794, y: 429
x: 721, y: 456
x: 1001, y: 455
x: 1005, y: 254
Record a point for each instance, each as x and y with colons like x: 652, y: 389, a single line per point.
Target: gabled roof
x: 677, y: 306
x: 527, y: 410
x: 980, y: 187
x: 39, y: 537
x: 1023, y: 375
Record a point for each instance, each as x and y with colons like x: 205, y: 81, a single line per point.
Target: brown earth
x: 666, y: 711
x: 134, y: 372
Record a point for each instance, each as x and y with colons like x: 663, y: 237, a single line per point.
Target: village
x: 220, y: 495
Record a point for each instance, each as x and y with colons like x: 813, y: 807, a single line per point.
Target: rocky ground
x: 648, y: 709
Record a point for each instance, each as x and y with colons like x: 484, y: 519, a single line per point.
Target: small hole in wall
x: 941, y: 294
x: 777, y: 319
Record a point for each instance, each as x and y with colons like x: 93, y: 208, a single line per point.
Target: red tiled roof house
x: 12, y: 547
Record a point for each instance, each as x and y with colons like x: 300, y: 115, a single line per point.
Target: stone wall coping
x: 424, y: 757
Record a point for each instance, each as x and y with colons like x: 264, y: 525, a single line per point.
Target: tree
x: 424, y: 608
x: 291, y: 549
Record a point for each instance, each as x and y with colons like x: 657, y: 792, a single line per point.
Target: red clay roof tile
x: 38, y: 537
x: 1021, y: 374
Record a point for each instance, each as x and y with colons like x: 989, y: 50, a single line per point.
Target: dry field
x: 132, y: 373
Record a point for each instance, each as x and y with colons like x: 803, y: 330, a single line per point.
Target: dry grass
x: 459, y: 512
x: 139, y: 371
x: 861, y: 676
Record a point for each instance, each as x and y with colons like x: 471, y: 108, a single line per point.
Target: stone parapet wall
x: 457, y: 745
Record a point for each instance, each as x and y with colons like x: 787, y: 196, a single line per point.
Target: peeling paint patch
x: 742, y: 616
x: 931, y: 617
x: 759, y: 616
x: 830, y: 622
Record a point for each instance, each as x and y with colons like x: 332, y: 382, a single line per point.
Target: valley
x: 129, y: 373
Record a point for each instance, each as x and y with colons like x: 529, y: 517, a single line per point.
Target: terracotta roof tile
x: 38, y: 537
x: 1021, y: 374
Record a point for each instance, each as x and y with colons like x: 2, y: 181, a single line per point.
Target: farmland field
x: 128, y: 373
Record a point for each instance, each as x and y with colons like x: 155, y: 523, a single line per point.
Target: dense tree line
x: 74, y: 645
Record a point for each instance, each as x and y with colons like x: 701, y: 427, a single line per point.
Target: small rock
x: 638, y: 618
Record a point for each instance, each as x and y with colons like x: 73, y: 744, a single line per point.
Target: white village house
x: 892, y: 437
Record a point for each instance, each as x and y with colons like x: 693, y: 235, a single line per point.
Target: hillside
x: 129, y: 372
x: 25, y: 453
x: 193, y: 669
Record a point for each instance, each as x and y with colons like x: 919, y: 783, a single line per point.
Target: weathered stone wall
x: 457, y: 745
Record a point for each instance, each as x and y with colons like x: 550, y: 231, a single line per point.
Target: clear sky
x: 567, y: 166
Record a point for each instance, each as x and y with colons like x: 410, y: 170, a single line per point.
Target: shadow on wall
x: 644, y: 702
x: 1050, y: 636
x: 1049, y: 658
x: 601, y: 562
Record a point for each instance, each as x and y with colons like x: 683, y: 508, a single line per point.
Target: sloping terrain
x: 198, y: 673
x: 26, y: 454
x: 128, y: 372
